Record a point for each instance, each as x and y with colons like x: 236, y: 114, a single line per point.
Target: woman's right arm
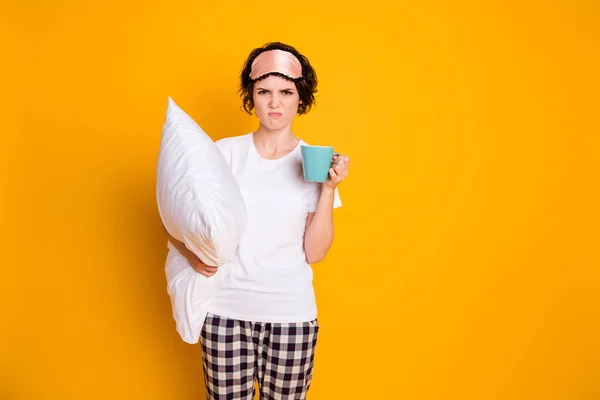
x: 193, y: 259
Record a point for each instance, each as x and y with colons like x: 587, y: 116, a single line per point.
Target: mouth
x: 275, y: 115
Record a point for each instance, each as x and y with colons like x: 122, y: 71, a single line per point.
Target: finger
x: 338, y: 169
x: 345, y: 162
x: 332, y: 173
x: 205, y: 268
x: 338, y: 162
x: 341, y: 166
x: 341, y: 173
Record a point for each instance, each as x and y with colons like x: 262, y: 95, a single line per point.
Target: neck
x: 275, y: 139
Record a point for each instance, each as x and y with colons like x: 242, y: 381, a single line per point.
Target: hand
x: 338, y: 171
x: 200, y: 267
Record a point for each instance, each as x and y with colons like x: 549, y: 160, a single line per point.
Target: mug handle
x: 335, y: 154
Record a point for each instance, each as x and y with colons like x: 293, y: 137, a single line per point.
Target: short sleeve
x: 314, y: 200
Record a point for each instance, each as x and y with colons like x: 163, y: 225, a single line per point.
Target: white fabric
x: 201, y: 205
x: 269, y: 280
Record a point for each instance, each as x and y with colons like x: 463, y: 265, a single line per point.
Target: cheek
x: 293, y: 102
x: 258, y: 102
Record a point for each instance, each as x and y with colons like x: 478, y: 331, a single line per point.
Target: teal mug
x: 316, y: 161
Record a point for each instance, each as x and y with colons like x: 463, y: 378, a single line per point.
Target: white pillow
x: 201, y: 205
x: 199, y: 200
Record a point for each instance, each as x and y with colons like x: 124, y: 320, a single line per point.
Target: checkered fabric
x: 280, y: 356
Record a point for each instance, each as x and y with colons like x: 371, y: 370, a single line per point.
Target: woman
x: 262, y: 323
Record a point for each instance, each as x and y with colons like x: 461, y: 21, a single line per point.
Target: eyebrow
x: 261, y: 88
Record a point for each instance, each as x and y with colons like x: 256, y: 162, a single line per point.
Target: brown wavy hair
x: 306, y: 85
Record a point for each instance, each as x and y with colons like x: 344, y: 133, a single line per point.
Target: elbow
x: 316, y: 250
x: 315, y: 257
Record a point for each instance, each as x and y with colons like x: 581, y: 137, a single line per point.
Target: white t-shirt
x: 270, y: 279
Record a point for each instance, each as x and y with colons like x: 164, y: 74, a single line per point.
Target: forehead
x: 274, y: 82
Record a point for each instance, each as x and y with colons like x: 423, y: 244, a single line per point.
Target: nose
x: 274, y: 101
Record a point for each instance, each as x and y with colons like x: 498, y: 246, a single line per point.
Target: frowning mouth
x: 275, y: 115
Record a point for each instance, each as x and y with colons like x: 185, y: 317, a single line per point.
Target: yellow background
x: 467, y: 253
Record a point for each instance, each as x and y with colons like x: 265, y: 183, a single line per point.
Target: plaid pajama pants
x: 235, y: 353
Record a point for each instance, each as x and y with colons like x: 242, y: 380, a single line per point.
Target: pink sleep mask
x: 279, y: 61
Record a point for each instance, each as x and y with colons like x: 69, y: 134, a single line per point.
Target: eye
x: 287, y: 92
x: 262, y: 91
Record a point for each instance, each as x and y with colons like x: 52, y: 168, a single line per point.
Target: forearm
x: 319, y: 235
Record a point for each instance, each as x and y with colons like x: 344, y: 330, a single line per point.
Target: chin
x: 275, y: 124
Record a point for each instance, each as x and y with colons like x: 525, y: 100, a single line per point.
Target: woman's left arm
x: 318, y: 235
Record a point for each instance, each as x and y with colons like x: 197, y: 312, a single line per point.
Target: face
x: 275, y: 101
